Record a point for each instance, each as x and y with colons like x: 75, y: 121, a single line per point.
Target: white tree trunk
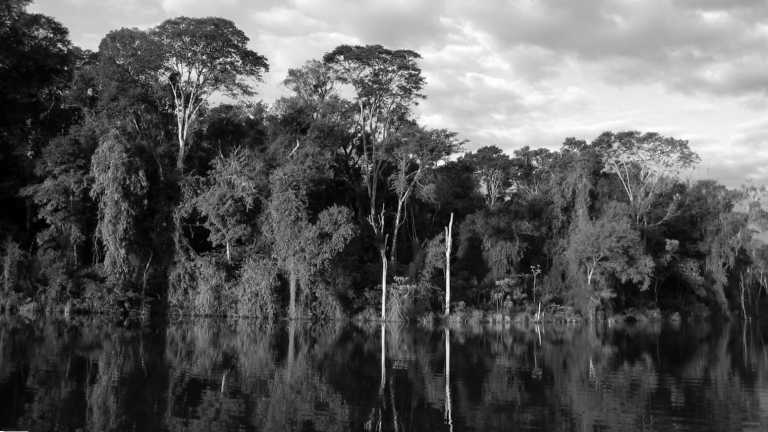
x: 383, y: 356
x: 395, y: 230
x: 448, y: 410
x: 383, y: 284
x: 448, y: 244
x: 292, y: 284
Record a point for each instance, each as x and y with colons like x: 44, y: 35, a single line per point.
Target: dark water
x: 210, y: 375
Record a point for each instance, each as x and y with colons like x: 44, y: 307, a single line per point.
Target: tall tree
x: 119, y: 187
x: 492, y: 168
x: 301, y: 247
x: 35, y: 67
x: 313, y: 83
x: 386, y: 84
x: 530, y: 169
x: 607, y: 250
x: 415, y: 152
x: 227, y: 197
x: 202, y: 56
x: 645, y: 164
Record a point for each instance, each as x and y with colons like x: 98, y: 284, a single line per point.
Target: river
x: 91, y: 374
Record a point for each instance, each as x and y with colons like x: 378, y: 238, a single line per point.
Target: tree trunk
x: 448, y: 244
x: 448, y: 411
x: 383, y: 253
x: 396, y: 228
x: 8, y: 262
x: 182, y: 151
x: 383, y: 357
x: 289, y: 362
x: 229, y: 253
x: 743, y: 307
x: 292, y: 284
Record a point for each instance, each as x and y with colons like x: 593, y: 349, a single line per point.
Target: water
x: 210, y: 375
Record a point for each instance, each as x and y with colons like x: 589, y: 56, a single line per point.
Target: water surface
x: 213, y: 375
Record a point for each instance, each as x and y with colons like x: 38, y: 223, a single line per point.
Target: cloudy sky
x: 524, y: 72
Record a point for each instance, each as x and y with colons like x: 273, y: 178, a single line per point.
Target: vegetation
x: 123, y: 187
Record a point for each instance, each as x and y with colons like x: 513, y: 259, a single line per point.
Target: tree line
x: 146, y: 175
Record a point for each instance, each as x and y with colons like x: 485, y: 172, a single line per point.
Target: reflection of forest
x: 211, y: 375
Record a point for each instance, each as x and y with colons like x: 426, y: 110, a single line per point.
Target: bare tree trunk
x: 292, y: 285
x: 448, y: 244
x: 144, y: 278
x: 383, y: 359
x: 383, y: 253
x: 223, y: 381
x: 229, y: 253
x: 7, y: 269
x: 180, y: 157
x: 743, y: 307
x: 181, y: 138
x: 395, y: 230
x: 448, y: 411
x: 291, y: 349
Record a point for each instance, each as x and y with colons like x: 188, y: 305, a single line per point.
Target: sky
x: 523, y: 72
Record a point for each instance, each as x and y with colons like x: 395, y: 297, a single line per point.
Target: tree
x: 300, y: 247
x: 64, y: 205
x: 448, y: 246
x: 386, y: 85
x: 35, y: 66
x: 606, y: 249
x: 416, y: 151
x: 119, y: 187
x: 226, y: 197
x: 313, y: 83
x: 530, y: 170
x: 492, y: 170
x: 202, y: 56
x: 645, y: 164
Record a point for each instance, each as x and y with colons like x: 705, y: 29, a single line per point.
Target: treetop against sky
x: 522, y: 73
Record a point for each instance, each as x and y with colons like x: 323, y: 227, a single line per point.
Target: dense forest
x: 147, y: 176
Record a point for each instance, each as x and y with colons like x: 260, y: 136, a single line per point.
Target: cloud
x: 688, y: 46
x: 197, y: 7
x: 523, y: 72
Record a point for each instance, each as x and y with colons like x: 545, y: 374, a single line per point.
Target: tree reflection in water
x: 217, y: 375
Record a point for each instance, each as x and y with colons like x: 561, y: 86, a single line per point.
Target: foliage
x: 121, y: 167
x: 645, y: 164
x: 226, y: 198
x: 119, y: 187
x: 255, y: 291
x: 11, y: 257
x: 609, y: 248
x: 492, y: 168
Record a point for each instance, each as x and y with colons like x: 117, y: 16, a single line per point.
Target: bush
x: 408, y: 301
x: 255, y: 289
x: 199, y: 286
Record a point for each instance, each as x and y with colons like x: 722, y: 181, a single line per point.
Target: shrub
x: 407, y: 301
x: 255, y: 289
